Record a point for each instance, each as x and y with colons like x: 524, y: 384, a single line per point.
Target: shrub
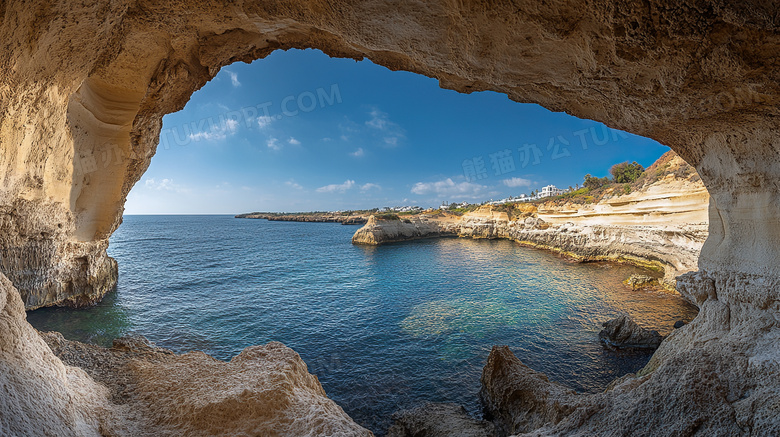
x: 592, y: 182
x: 625, y: 173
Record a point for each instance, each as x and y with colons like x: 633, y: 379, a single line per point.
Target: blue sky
x: 299, y: 131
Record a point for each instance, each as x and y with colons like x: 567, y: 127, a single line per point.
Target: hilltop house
x: 549, y: 191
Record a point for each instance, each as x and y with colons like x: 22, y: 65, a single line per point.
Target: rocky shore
x: 671, y: 249
x: 87, y: 84
x: 662, y: 226
x: 307, y: 217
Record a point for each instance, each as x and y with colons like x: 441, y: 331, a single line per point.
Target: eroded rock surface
x: 718, y: 375
x: 86, y: 84
x: 136, y: 389
x: 265, y: 390
x: 39, y: 395
x: 438, y: 420
x: 662, y: 225
x: 623, y: 332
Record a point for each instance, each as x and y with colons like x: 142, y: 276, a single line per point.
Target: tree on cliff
x: 625, y: 173
x: 592, y: 182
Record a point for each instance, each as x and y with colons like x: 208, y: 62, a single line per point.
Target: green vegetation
x: 625, y: 173
x: 592, y: 182
x: 462, y: 210
x: 576, y: 193
x: 387, y: 216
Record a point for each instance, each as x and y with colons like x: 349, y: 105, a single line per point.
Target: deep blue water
x: 384, y: 328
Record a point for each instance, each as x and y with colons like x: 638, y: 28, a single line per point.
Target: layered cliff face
x: 662, y: 225
x: 86, y: 84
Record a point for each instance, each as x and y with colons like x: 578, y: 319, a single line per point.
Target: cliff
x: 86, y: 85
x: 650, y: 227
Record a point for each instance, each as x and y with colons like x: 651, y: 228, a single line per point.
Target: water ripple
x: 383, y: 328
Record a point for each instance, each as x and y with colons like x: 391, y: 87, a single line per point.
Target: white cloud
x: 358, y: 153
x: 337, y: 188
x: 517, y: 182
x: 234, y: 79
x: 448, y: 187
x: 264, y: 121
x: 208, y: 136
x: 370, y: 186
x: 390, y: 131
x: 165, y: 185
x: 293, y: 184
x: 217, y: 131
x: 231, y: 125
x: 379, y: 120
x: 294, y: 142
x: 273, y: 144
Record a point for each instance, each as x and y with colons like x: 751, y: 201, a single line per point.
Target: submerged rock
x: 641, y: 281
x: 622, y: 332
x: 438, y: 420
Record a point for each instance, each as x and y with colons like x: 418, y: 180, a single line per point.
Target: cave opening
x: 299, y: 131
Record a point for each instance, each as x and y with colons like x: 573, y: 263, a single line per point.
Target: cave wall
x: 88, y: 83
x: 85, y: 85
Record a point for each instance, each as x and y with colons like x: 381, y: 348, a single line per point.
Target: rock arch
x: 86, y: 84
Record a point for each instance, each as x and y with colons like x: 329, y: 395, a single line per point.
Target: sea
x: 383, y: 328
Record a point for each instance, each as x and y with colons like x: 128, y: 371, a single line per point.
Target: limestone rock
x: 380, y: 231
x: 438, y: 420
x: 345, y: 219
x: 85, y: 86
x: 623, y: 332
x: 641, y: 281
x: 265, y: 390
x: 41, y: 395
x: 518, y: 399
x: 672, y: 249
x: 718, y: 376
x: 136, y: 389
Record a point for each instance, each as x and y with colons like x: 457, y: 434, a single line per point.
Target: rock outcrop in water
x: 622, y: 332
x: 86, y: 84
x: 307, y: 217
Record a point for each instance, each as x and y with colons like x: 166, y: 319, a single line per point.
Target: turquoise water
x: 384, y: 328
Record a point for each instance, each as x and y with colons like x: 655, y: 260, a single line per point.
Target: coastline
x: 671, y: 250
x: 344, y: 219
x: 660, y: 223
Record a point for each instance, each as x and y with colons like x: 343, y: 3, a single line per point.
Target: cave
x: 85, y: 80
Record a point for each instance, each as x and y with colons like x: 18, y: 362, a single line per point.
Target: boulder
x: 438, y: 420
x: 622, y: 332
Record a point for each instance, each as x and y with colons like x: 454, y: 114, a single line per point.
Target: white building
x: 549, y: 191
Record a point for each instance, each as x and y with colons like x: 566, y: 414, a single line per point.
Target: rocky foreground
x: 65, y: 388
x: 661, y: 226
